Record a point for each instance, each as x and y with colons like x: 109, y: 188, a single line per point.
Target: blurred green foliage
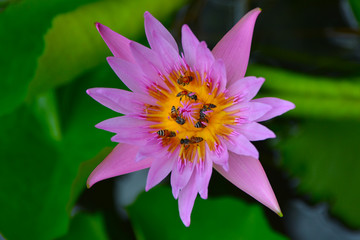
x: 22, y: 29
x: 86, y: 226
x: 314, y: 96
x: 322, y: 154
x: 155, y: 214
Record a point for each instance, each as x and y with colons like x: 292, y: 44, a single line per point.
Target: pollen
x: 189, y: 113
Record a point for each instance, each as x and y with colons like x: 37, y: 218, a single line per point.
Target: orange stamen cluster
x: 206, y: 119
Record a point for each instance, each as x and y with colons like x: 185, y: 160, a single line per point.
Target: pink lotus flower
x: 188, y: 113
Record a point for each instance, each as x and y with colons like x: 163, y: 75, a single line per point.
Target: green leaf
x: 314, y: 96
x: 85, y: 169
x: 73, y: 45
x: 39, y: 173
x: 22, y: 27
x: 323, y: 155
x: 46, y: 111
x: 355, y: 5
x: 86, y: 226
x: 155, y: 214
x: 28, y: 163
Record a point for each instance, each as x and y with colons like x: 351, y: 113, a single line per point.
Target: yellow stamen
x: 205, y: 120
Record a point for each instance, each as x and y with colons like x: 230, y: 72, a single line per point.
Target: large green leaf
x: 323, y: 155
x: 22, y: 26
x: 155, y: 214
x: 86, y: 226
x: 28, y: 162
x: 314, y: 96
x: 73, y: 45
x: 39, y: 176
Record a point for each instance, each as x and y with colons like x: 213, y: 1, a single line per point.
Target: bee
x: 185, y: 142
x: 205, y: 108
x: 176, y: 116
x: 166, y: 133
x: 208, y: 106
x: 180, y: 120
x: 173, y: 113
x: 193, y: 140
x: 203, y: 117
x: 196, y: 139
x: 184, y: 80
x: 199, y: 124
x: 190, y: 95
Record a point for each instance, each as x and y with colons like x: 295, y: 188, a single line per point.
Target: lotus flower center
x: 189, y: 113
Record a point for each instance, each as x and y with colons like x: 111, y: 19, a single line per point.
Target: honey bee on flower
x: 210, y: 127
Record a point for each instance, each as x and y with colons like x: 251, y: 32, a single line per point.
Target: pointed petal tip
x: 280, y: 214
x: 187, y: 224
x: 99, y: 126
x: 185, y: 27
x: 110, y: 59
x: 204, y: 195
x: 175, y: 192
x: 89, y: 182
x: 149, y: 185
x: 257, y: 11
x: 291, y: 106
x: 226, y: 167
x: 100, y: 27
x: 186, y: 221
x: 148, y: 16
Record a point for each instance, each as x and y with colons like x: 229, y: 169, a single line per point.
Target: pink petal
x: 118, y: 44
x: 120, y: 161
x: 124, y: 123
x: 218, y: 74
x: 169, y: 56
x: 203, y: 175
x: 152, y: 148
x: 250, y: 111
x: 255, y: 131
x: 246, y: 88
x: 204, y: 58
x: 118, y: 100
x: 149, y: 62
x: 239, y: 144
x: 180, y: 176
x: 220, y: 156
x: 247, y: 174
x: 129, y: 73
x: 189, y: 44
x: 187, y: 199
x: 234, y: 47
x: 132, y: 136
x: 279, y: 107
x: 152, y: 25
x: 159, y: 169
